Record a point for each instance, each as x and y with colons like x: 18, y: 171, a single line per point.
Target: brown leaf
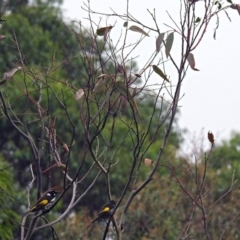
x: 9, y: 74
x: 138, y: 29
x: 62, y: 167
x: 137, y: 75
x: 79, y: 94
x: 148, y: 162
x: 233, y: 6
x: 238, y: 8
x: 104, y: 31
x: 125, y: 24
x: 210, y: 137
x: 65, y: 147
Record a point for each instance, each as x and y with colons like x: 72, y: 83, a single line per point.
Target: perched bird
x: 105, y: 213
x: 46, y: 200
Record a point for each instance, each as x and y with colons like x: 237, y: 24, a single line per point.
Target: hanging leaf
x: 233, y: 6
x: 123, y: 89
x: 65, y: 148
x: 198, y: 20
x: 138, y: 29
x: 2, y: 37
x: 169, y: 43
x: 62, y: 167
x: 157, y: 70
x: 148, y: 162
x: 104, y: 31
x: 238, y: 8
x: 159, y: 41
x: 9, y: 74
x: 191, y: 61
x: 125, y: 24
x: 79, y: 94
x: 101, y: 85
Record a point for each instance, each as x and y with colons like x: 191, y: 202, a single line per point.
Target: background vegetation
x: 186, y: 199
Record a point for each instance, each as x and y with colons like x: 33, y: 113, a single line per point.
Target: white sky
x: 212, y: 95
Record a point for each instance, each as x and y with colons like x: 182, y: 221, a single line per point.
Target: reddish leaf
x: 238, y: 8
x: 148, y: 162
x: 210, y: 137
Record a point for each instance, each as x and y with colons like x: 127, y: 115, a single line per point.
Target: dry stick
x: 28, y: 198
x: 187, y: 225
x: 225, y: 229
x: 71, y: 205
x: 39, y: 176
x: 225, y: 194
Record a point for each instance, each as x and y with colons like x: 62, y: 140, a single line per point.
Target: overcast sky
x: 212, y: 95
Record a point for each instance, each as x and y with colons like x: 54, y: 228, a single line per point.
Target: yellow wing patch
x: 106, y: 209
x: 43, y: 202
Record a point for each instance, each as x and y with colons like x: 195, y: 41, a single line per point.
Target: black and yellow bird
x: 46, y: 200
x: 105, y: 212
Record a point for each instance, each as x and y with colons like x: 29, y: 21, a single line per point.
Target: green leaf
x: 159, y: 41
x: 101, y: 85
x: 198, y: 20
x: 230, y: 1
x: 138, y: 29
x: 157, y: 70
x: 169, y: 43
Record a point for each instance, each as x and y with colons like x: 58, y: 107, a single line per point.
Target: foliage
x: 79, y: 114
x: 9, y: 217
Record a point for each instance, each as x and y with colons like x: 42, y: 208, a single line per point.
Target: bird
x: 105, y: 212
x: 46, y: 200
